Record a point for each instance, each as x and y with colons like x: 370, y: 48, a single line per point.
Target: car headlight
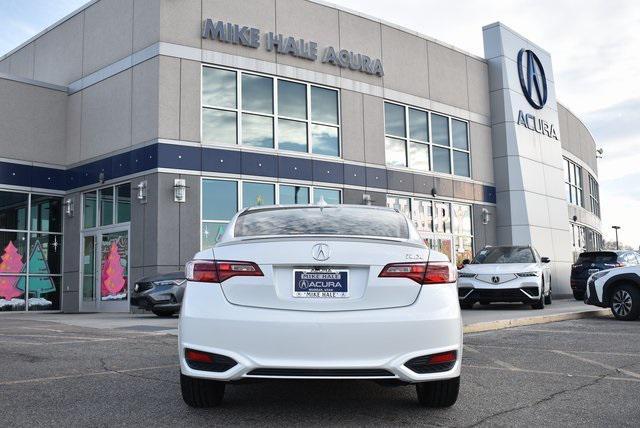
x: 466, y: 275
x: 169, y: 282
x: 528, y: 274
x: 598, y: 275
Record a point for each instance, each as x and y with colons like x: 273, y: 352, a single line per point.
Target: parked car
x: 506, y: 274
x: 320, y: 292
x: 618, y: 289
x: 160, y: 294
x: 591, y: 262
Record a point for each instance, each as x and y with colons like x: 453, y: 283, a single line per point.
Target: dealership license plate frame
x: 317, y: 294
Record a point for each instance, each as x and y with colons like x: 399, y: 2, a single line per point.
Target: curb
x: 542, y: 319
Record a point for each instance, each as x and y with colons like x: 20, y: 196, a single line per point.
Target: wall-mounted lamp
x: 434, y: 192
x: 574, y: 218
x: 180, y: 190
x: 366, y: 199
x: 486, y: 216
x: 599, y: 153
x: 101, y: 177
x: 142, y: 192
x: 68, y: 208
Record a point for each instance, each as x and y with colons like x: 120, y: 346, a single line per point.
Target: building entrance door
x: 105, y: 270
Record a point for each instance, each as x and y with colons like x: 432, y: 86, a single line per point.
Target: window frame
x: 430, y: 144
x: 573, y: 181
x: 594, y: 196
x: 239, y: 111
x: 114, y: 208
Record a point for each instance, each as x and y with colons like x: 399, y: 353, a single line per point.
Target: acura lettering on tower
x: 320, y: 292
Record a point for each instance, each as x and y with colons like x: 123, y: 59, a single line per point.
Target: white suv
x: 618, y: 289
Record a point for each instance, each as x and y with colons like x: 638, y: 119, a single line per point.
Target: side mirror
x: 466, y: 262
x: 545, y: 259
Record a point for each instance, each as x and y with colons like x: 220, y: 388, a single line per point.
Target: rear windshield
x: 350, y: 221
x: 505, y: 255
x: 597, y: 257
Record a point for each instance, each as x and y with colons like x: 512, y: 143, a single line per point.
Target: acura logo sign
x: 495, y: 279
x: 321, y: 252
x: 532, y: 78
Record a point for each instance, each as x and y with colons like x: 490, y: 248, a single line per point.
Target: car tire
x: 201, y: 392
x: 625, y: 302
x: 163, y: 314
x: 540, y: 303
x: 548, y: 299
x: 466, y: 305
x: 578, y: 295
x: 439, y: 393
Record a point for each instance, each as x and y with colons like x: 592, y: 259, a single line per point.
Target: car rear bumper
x: 292, y: 344
x: 579, y: 284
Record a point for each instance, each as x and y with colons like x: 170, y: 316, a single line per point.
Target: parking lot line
x: 524, y: 348
x: 493, y: 360
x: 100, y: 373
x: 543, y: 372
x: 542, y: 330
x: 597, y: 363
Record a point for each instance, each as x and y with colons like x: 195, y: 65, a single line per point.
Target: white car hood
x: 499, y: 268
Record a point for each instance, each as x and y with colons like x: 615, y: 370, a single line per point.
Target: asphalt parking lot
x: 570, y: 373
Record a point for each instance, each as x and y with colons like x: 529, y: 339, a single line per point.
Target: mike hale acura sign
x: 235, y: 34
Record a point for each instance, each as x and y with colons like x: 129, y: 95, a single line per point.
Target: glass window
x: 219, y: 127
x: 114, y: 275
x: 90, y: 208
x: 418, y: 125
x: 46, y: 213
x: 123, y: 210
x: 106, y: 206
x: 13, y: 254
x: 46, y: 254
x: 330, y: 196
x: 459, y: 134
x: 461, y: 219
x: 292, y: 99
x: 293, y: 195
x: 573, y: 183
x: 325, y: 140
x: 257, y: 194
x: 461, y: 163
x: 44, y: 293
x: 211, y: 233
x: 13, y: 210
x: 257, y: 93
x: 421, y: 215
x: 419, y: 156
x: 341, y: 220
x: 440, y: 129
x: 257, y: 131
x: 218, y: 87
x: 396, y: 154
x: 324, y: 105
x: 400, y: 204
x: 292, y: 135
x: 441, y: 160
x: 442, y: 217
x: 505, y: 255
x: 394, y: 123
x: 219, y: 199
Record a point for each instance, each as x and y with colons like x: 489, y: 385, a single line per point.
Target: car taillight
x: 219, y: 270
x: 422, y: 273
x: 443, y: 358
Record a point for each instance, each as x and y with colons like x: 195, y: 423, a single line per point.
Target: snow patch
x: 121, y: 296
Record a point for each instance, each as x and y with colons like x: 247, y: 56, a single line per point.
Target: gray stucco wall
x: 576, y: 138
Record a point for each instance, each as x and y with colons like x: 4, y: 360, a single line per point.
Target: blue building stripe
x: 206, y: 159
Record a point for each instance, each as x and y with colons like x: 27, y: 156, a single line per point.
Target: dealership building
x: 132, y: 131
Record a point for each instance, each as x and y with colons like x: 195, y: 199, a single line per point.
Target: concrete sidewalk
x: 480, y: 318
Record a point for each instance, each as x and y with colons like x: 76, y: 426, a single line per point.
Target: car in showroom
x: 320, y: 292
x: 506, y: 274
x: 160, y: 294
x: 590, y: 262
x: 618, y: 289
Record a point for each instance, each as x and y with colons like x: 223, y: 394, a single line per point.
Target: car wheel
x: 578, y: 295
x: 548, y: 299
x: 625, y: 302
x: 466, y: 305
x: 439, y: 393
x: 161, y: 313
x: 540, y: 303
x: 201, y: 392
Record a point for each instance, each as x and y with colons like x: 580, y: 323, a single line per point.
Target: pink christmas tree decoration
x: 11, y: 263
x: 113, y: 280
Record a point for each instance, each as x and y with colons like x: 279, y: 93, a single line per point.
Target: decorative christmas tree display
x: 11, y: 263
x: 39, y: 285
x: 113, y: 280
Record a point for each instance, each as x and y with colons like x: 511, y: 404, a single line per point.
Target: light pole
x: 616, y: 229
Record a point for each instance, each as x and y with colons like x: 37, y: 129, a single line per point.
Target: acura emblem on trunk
x: 495, y: 279
x: 320, y: 252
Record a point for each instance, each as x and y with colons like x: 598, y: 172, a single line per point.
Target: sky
x: 594, y: 45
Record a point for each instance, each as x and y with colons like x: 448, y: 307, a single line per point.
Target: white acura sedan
x: 506, y: 274
x: 320, y: 292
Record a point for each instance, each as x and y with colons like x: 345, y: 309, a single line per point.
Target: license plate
x: 320, y: 283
